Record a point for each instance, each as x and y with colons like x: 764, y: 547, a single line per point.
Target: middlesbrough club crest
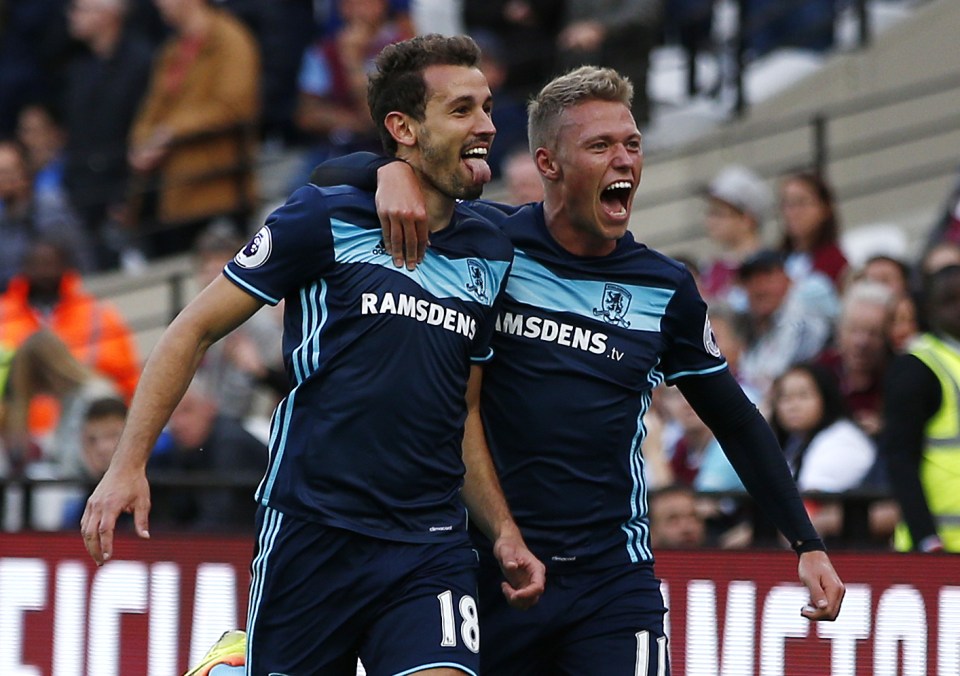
x: 478, y: 280
x: 614, y: 306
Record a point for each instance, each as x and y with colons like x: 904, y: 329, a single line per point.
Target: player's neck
x: 438, y: 205
x: 439, y: 208
x: 573, y: 239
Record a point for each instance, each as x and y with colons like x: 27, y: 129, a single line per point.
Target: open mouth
x: 475, y: 158
x: 616, y: 198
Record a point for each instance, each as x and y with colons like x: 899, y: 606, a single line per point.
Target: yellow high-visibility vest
x: 940, y: 464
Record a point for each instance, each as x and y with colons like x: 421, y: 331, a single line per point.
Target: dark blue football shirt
x: 359, y: 333
x: 580, y: 344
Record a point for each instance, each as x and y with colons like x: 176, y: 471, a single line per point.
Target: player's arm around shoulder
x: 524, y: 573
x: 218, y: 309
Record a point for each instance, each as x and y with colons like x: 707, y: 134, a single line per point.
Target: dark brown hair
x: 828, y: 230
x: 398, y: 84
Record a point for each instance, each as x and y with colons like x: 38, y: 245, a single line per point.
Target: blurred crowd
x: 132, y: 130
x: 854, y: 361
x: 128, y: 125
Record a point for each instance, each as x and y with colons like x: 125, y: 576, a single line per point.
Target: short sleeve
x: 293, y: 247
x: 691, y: 348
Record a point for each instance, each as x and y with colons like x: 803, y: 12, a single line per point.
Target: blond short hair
x: 586, y: 83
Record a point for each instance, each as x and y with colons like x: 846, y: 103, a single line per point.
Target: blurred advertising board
x: 161, y: 603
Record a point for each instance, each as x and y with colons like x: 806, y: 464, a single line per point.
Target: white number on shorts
x: 469, y: 628
x: 643, y: 654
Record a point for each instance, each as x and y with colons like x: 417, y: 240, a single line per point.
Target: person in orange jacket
x: 48, y: 293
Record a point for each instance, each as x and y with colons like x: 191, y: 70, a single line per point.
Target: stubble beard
x: 447, y: 182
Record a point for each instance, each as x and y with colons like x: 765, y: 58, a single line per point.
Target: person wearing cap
x: 738, y: 203
x: 787, y: 321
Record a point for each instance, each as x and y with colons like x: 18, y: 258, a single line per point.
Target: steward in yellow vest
x: 921, y: 439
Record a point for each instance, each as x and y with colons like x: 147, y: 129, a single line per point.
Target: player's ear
x: 547, y: 164
x: 401, y: 128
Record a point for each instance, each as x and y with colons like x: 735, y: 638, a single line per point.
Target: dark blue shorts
x: 321, y: 596
x: 608, y: 622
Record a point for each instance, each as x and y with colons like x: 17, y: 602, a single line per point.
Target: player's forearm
x: 219, y: 309
x: 165, y: 378
x: 752, y: 449
x: 759, y: 462
x: 482, y: 494
x: 355, y: 169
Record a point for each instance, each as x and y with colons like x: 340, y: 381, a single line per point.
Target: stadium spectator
x: 786, y: 321
x: 738, y: 203
x: 896, y: 275
x: 192, y: 138
x: 889, y: 271
x: 43, y: 365
x: 49, y: 294
x: 105, y: 83
x: 862, y: 351
x: 825, y: 450
x: 332, y: 104
x: 811, y: 228
x: 25, y: 216
x: 675, y: 522
x: 40, y: 131
x: 522, y: 178
x: 935, y: 258
x: 98, y: 438
x: 618, y: 34
x: 102, y: 424
x: 529, y: 29
x: 207, y: 445
x: 250, y: 359
x: 921, y: 442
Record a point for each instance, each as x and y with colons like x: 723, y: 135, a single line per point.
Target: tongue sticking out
x: 479, y: 169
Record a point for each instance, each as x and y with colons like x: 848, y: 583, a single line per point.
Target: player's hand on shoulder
x: 403, y: 214
x: 826, y: 588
